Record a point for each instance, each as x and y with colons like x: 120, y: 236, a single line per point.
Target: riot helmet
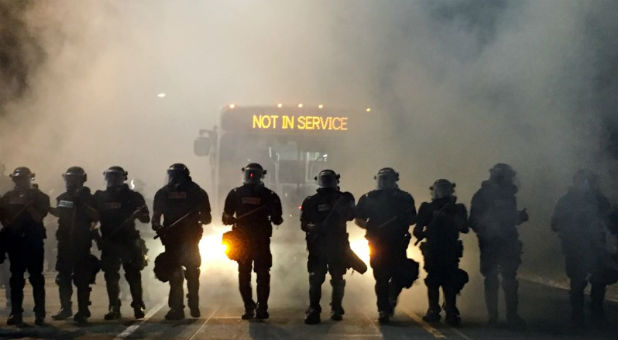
x: 327, y: 179
x: 178, y: 173
x: 22, y: 177
x: 502, y: 173
x: 442, y: 188
x: 115, y: 176
x: 253, y: 173
x: 386, y: 178
x: 74, y: 178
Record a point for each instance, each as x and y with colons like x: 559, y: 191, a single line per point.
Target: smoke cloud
x: 455, y: 87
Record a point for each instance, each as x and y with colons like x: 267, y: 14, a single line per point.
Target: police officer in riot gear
x: 439, y: 223
x: 121, y: 243
x: 323, y: 218
x: 76, y: 217
x: 185, y: 207
x: 386, y: 213
x: 5, y: 274
x: 252, y: 209
x: 579, y: 219
x: 21, y: 212
x: 494, y: 217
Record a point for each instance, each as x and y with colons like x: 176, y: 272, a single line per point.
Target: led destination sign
x: 299, y: 122
x: 265, y: 119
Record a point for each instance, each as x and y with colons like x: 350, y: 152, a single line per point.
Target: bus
x: 293, y: 143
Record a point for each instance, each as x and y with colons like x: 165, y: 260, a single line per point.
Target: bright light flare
x: 361, y: 248
x: 300, y: 106
x: 213, y: 252
x: 232, y: 106
x: 368, y: 109
x: 279, y: 105
x: 321, y: 106
x: 162, y: 95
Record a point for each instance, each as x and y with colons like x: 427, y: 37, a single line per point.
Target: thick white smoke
x: 456, y: 86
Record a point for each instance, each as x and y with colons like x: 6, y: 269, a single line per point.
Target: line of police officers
x: 181, y: 208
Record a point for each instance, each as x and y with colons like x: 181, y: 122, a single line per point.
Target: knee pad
x: 37, y: 279
x: 263, y: 276
x: 176, y: 275
x: 132, y: 274
x: 337, y: 282
x: 316, y: 278
x: 510, y: 284
x: 491, y: 281
x: 17, y: 281
x: 192, y: 273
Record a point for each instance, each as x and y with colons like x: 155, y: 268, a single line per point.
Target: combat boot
x: 261, y: 313
x: 39, y: 320
x: 113, y: 313
x: 597, y: 295
x: 194, y: 308
x: 313, y: 317
x: 384, y: 316
x: 15, y: 320
x: 175, y: 314
x: 81, y: 318
x: 249, y: 312
x: 337, y: 313
x: 515, y: 321
x: 138, y: 312
x: 63, y: 314
x: 337, y: 299
x: 432, y: 315
x: 453, y: 319
x: 433, y: 300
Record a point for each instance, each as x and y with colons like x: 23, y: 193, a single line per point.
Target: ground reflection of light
x: 361, y: 248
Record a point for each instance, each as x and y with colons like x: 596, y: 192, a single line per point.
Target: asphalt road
x: 545, y: 308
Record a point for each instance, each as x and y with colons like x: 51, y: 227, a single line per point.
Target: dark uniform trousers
x: 386, y: 258
x: 188, y: 259
x: 259, y: 259
x: 27, y: 254
x: 112, y: 257
x: 581, y: 269
x: 318, y: 265
x: 73, y: 266
x: 500, y: 257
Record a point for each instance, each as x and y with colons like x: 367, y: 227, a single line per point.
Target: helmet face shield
x: 385, y: 182
x: 175, y: 177
x: 22, y: 181
x: 178, y: 173
x: 328, y: 179
x: 252, y: 176
x: 386, y: 179
x: 73, y: 181
x: 502, y: 173
x: 442, y: 188
x: 253, y: 173
x: 114, y: 178
x: 74, y: 178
